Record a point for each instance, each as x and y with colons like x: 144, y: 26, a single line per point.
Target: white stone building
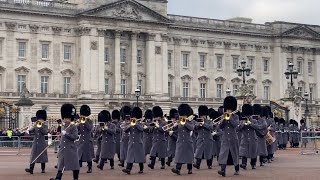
x: 98, y: 52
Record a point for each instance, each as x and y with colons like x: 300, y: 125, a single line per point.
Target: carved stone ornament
x: 56, y: 30
x: 33, y: 28
x: 186, y: 78
x: 10, y: 26
x: 267, y: 82
x: 220, y: 79
x: 258, y: 47
x: 158, y: 50
x: 194, y: 42
x: 125, y: 10
x: 243, y: 46
x: 82, y: 31
x: 203, y: 79
x: 171, y: 77
x: 94, y: 45
x: 164, y: 37
x: 45, y: 71
x: 101, y: 32
x: 22, y: 69
x: 141, y: 75
x: 109, y: 73
x: 227, y: 44
x: 177, y: 40
x: 211, y: 43
x: 151, y: 37
x: 236, y: 80
x: 67, y: 72
x: 2, y: 69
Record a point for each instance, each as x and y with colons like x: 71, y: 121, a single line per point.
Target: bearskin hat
x: 230, y: 103
x: 137, y: 113
x: 292, y: 121
x: 282, y: 121
x: 264, y: 112
x: 184, y: 110
x: 203, y: 111
x: 214, y: 114
x: 173, y: 113
x: 115, y: 114
x: 302, y: 121
x: 68, y: 111
x: 41, y: 114
x: 85, y: 110
x: 276, y: 119
x: 148, y: 114
x: 257, y: 109
x: 125, y: 111
x: 157, y: 112
x: 247, y: 110
x: 210, y: 110
x: 104, y: 116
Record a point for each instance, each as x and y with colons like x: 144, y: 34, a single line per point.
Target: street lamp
x: 243, y: 71
x: 306, y: 112
x: 228, y: 91
x: 137, y: 91
x: 291, y: 73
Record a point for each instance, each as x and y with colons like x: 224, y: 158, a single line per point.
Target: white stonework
x: 83, y: 44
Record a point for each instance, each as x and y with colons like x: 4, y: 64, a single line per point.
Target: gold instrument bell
x: 184, y: 120
x: 83, y: 119
x: 133, y: 121
x: 39, y: 124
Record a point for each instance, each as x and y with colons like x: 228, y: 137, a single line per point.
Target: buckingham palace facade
x: 99, y: 52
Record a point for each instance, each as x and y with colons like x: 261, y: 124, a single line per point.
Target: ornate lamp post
x: 137, y: 91
x: 243, y: 71
x: 228, y: 92
x: 291, y: 73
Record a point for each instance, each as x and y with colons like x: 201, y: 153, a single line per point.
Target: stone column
x: 34, y: 77
x: 117, y: 67
x: 164, y: 65
x: 10, y: 53
x: 151, y: 77
x: 306, y: 57
x: 56, y: 49
x: 101, y: 34
x: 134, y: 71
x: 177, y: 65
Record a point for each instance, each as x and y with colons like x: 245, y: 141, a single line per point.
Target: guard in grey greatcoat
x: 204, y: 146
x: 136, y: 152
x: 249, y: 140
x: 85, y: 143
x: 291, y: 132
x: 296, y: 135
x: 279, y: 133
x: 159, y: 140
x: 108, y: 143
x: 97, y: 136
x: 184, y: 147
x: 68, y: 155
x: 285, y: 134
x: 229, y: 141
x: 40, y: 130
x: 125, y: 115
x: 262, y: 129
x: 303, y: 131
x: 115, y: 115
x: 272, y: 129
x: 148, y: 132
x: 172, y: 136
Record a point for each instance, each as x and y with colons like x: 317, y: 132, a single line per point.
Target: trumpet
x: 184, y: 120
x: 39, y: 124
x: 169, y: 126
x: 247, y: 121
x: 224, y: 116
x: 103, y: 126
x: 200, y: 121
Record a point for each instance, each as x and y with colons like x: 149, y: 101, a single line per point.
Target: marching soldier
x: 261, y: 114
x: 285, y: 133
x: 172, y: 138
x: 108, y: 143
x: 116, y: 121
x: 304, y: 133
x: 68, y: 156
x: 249, y: 141
x: 271, y: 148
x: 56, y: 142
x: 291, y: 132
x: 98, y: 136
x: 204, y: 139
x: 216, y: 134
x: 296, y: 135
x: 38, y: 152
x: 184, y: 147
x: 125, y: 115
x: 148, y: 132
x: 229, y: 142
x: 85, y: 146
x: 136, y: 152
x: 159, y: 141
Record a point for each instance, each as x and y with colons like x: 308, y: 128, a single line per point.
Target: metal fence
x: 310, y: 142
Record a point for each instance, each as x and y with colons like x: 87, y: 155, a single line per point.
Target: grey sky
x: 261, y: 11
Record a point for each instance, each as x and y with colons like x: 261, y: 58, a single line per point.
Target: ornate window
x: 252, y: 85
x: 123, y: 55
x: 44, y: 84
x: 300, y: 65
x: 139, y: 56
x: 310, y: 67
x: 312, y: 92
x: 266, y: 92
x: 220, y: 81
x: 266, y: 63
x: 235, y: 85
x: 169, y: 59
x: 185, y: 89
x: 203, y: 90
x: 45, y: 51
x: 202, y: 61
x: 219, y: 61
x: 22, y: 49
x: 67, y: 50
x: 301, y: 88
x: 123, y: 87
x: 251, y: 63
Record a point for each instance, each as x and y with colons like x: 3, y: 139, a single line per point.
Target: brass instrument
x: 83, y: 119
x: 169, y: 126
x: 39, y: 124
x: 184, y: 120
x: 247, y: 122
x: 200, y: 121
x: 269, y: 138
x: 133, y: 121
x: 224, y: 116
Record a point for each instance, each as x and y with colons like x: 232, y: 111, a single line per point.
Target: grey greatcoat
x: 147, y: 138
x: 39, y: 144
x: 272, y: 129
x: 216, y: 140
x: 249, y: 140
x: 124, y: 145
x: 304, y: 133
x: 85, y: 143
x: 136, y: 152
x: 184, y: 147
x: 261, y: 128
x: 108, y: 143
x: 295, y: 135
x: 98, y: 136
x: 204, y: 145
x: 117, y: 137
x: 229, y: 141
x: 159, y: 142
x: 68, y: 155
x: 285, y: 135
x: 279, y: 134
x: 172, y: 141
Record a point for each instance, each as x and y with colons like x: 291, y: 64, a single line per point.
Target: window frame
x: 123, y: 55
x: 266, y: 65
x: 139, y: 56
x: 106, y: 86
x: 169, y: 59
x: 24, y: 50
x: 219, y: 90
x: 203, y: 90
x: 202, y: 60
x: 310, y: 67
x: 44, y: 84
x: 66, y: 85
x: 48, y: 51
x: 21, y: 82
x: 170, y: 89
x: 235, y: 58
x: 67, y: 54
x: 219, y: 58
x: 300, y: 69
x: 266, y: 95
x: 187, y: 55
x: 106, y: 55
x: 185, y: 89
x: 123, y: 87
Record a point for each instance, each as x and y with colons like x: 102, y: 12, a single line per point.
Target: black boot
x: 141, y: 168
x: 152, y: 163
x: 197, y: 164
x: 96, y: 160
x: 30, y: 169
x: 111, y: 163
x: 169, y: 161
x: 80, y: 163
x: 126, y: 171
x: 101, y: 164
x: 43, y: 168
x: 236, y: 168
x: 176, y: 171
x: 89, y: 167
x: 75, y: 174
x: 58, y: 176
x: 222, y: 172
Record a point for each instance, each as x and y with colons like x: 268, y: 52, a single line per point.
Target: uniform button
x: 64, y: 141
x: 228, y: 133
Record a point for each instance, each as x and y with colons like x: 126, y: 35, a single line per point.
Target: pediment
x: 220, y: 79
x: 127, y: 10
x: 22, y: 69
x: 236, y: 80
x: 203, y: 78
x: 45, y: 71
x: 266, y: 82
x: 67, y: 72
x: 251, y: 81
x: 186, y: 78
x: 302, y: 31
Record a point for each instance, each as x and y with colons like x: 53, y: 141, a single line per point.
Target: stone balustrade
x: 38, y: 3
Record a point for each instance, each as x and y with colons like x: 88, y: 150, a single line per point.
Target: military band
x: 223, y: 136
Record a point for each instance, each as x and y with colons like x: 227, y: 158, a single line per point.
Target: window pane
x: 66, y: 86
x: 170, y: 89
x: 122, y: 55
x: 45, y: 51
x: 300, y: 67
x: 123, y: 86
x: 266, y: 65
x: 21, y: 81
x: 106, y: 86
x: 235, y: 88
x: 67, y: 52
x: 251, y: 63
x: 219, y: 61
x: 139, y: 56
x: 202, y: 61
x: 235, y: 63
x: 139, y: 86
x: 44, y: 84
x: 22, y: 49
x: 169, y: 59
x: 266, y: 93
x: 311, y: 94
x: 185, y: 90
x: 185, y: 60
x: 106, y: 55
x: 203, y: 90
x: 219, y: 90
x: 310, y: 67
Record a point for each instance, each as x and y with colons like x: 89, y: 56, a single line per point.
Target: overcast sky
x: 261, y: 11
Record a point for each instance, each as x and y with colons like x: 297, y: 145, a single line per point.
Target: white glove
x: 213, y: 133
x: 191, y: 133
x: 170, y: 133
x: 63, y: 132
x: 157, y: 125
x: 49, y: 135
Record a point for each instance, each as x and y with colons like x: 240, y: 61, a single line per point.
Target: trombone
x: 182, y: 121
x: 224, y: 116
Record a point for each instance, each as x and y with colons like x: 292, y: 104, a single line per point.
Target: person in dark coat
x: 280, y: 130
x: 125, y: 115
x: 115, y: 115
x: 285, y: 133
x: 304, y: 133
x: 97, y: 136
x: 261, y: 114
x: 68, y: 155
x: 148, y: 132
x: 172, y: 136
x: 40, y: 130
x: 108, y: 143
x: 85, y: 143
x: 229, y: 141
x: 272, y: 130
x: 216, y: 134
x: 159, y: 140
x: 204, y: 145
x: 249, y: 140
x: 291, y: 132
x: 184, y: 147
x: 136, y: 152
